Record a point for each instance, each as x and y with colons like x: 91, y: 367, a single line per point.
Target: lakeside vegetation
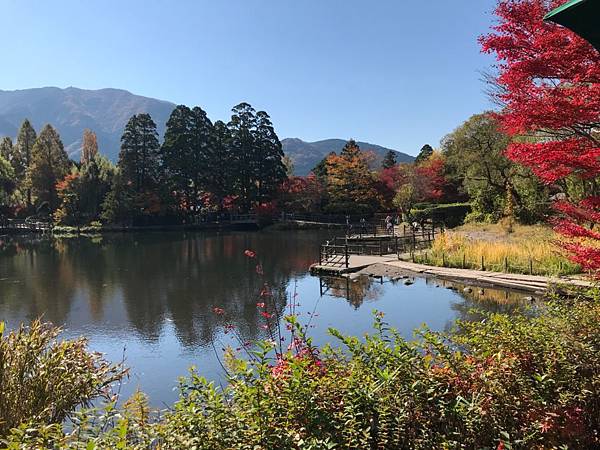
x: 522, y: 249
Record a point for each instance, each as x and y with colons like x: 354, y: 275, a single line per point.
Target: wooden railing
x: 337, y: 252
x: 25, y: 225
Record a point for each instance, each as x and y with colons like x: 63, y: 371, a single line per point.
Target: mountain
x: 71, y: 110
x: 306, y: 155
x: 106, y: 111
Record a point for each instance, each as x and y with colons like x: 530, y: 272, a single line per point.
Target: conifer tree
x: 389, y: 160
x: 139, y: 158
x: 220, y: 178
x: 22, y: 158
x: 49, y: 164
x: 424, y: 154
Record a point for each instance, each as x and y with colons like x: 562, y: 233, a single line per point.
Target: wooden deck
x: 527, y: 283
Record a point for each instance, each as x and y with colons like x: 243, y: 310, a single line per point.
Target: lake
x: 150, y: 296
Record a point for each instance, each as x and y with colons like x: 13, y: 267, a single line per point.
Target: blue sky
x: 398, y: 73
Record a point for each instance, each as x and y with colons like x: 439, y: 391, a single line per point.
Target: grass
x: 527, y: 249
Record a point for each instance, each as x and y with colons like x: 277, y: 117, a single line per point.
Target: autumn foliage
x: 549, y: 83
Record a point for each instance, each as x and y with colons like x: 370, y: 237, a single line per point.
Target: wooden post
x: 380, y: 247
x: 464, y: 262
x: 320, y: 255
x: 443, y: 259
x: 346, y: 254
x: 530, y: 266
x: 506, y: 264
x: 482, y: 263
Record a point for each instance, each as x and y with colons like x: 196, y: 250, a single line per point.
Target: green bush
x: 525, y: 381
x: 451, y: 214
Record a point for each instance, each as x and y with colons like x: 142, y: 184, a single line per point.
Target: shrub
x: 43, y: 380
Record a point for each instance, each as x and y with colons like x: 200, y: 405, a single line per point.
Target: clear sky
x: 398, y: 73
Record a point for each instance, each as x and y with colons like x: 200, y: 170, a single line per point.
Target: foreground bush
x: 43, y: 381
x: 531, y: 381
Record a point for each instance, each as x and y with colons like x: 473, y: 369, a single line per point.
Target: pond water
x: 150, y: 296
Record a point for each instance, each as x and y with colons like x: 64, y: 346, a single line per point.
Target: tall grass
x: 43, y: 380
x: 532, y: 250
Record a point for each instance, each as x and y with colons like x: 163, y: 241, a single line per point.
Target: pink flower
x: 218, y: 311
x: 266, y: 315
x: 250, y: 254
x: 260, y: 305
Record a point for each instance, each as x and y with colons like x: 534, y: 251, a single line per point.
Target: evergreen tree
x: 6, y: 149
x: 389, y: 160
x: 424, y: 154
x: 89, y: 146
x: 242, y: 129
x: 221, y: 178
x: 187, y: 149
x: 22, y: 158
x: 320, y: 170
x: 139, y: 158
x: 270, y: 159
x: 7, y: 184
x: 49, y: 164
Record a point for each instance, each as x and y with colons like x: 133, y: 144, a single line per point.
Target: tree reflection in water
x: 140, y: 281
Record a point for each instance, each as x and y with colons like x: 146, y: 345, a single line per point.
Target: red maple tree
x: 549, y: 84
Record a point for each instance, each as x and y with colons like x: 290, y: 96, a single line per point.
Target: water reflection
x: 140, y: 280
x: 154, y: 294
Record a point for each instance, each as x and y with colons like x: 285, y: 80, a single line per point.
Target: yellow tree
x: 351, y: 185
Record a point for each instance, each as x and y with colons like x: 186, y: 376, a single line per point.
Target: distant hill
x: 71, y: 110
x: 106, y: 111
x: 306, y: 155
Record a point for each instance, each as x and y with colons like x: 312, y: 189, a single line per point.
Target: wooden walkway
x: 528, y: 283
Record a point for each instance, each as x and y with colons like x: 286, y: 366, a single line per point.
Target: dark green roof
x: 581, y: 17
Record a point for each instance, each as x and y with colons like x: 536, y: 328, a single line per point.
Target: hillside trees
x: 549, y: 83
x: 389, y: 160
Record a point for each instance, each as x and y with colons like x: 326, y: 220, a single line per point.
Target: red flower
x: 218, y: 311
x: 260, y: 305
x: 266, y: 315
x: 250, y: 254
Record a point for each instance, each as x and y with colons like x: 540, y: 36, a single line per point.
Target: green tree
x: 271, y: 170
x: 257, y: 155
x: 7, y: 184
x: 424, y: 154
x: 21, y: 160
x: 139, y: 158
x: 320, y: 170
x: 389, y: 160
x: 6, y: 149
x: 186, y: 152
x: 220, y: 180
x: 475, y: 159
x: 49, y: 164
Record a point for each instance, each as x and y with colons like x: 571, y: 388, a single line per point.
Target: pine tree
x: 139, y: 158
x: 89, y: 146
x: 22, y: 157
x: 389, y: 160
x: 49, y: 164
